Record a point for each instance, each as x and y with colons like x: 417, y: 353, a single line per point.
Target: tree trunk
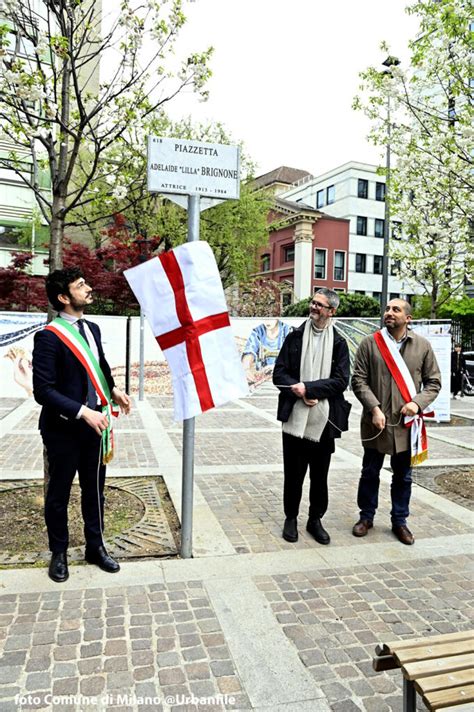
x: 57, y: 234
x: 434, y: 300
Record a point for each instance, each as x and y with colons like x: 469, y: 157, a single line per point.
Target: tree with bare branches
x: 77, y: 86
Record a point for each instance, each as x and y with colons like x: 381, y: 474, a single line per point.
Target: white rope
x: 364, y: 440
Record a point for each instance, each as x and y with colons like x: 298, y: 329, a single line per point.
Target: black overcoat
x: 287, y: 372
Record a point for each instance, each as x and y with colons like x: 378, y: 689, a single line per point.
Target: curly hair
x: 58, y: 282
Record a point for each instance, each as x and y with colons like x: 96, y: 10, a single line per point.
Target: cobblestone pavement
x: 261, y: 624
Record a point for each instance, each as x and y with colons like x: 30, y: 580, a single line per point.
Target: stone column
x: 303, y: 258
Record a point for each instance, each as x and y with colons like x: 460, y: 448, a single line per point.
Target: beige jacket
x: 373, y: 385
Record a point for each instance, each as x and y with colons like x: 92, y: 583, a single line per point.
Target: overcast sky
x: 285, y: 73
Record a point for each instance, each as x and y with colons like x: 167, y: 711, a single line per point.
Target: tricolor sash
x: 81, y: 350
x: 404, y: 381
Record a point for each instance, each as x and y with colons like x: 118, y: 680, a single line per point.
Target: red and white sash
x: 404, y: 381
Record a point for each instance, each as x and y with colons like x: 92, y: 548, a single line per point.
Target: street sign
x: 183, y: 167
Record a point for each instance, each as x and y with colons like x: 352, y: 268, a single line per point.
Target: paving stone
x: 142, y: 657
x: 197, y: 671
x: 168, y: 659
x: 220, y: 668
x: 92, y: 686
x: 345, y: 706
x: 66, y: 686
x: 170, y: 676
x: 335, y: 691
x: 38, y: 664
x: 115, y: 647
x: 64, y: 670
x: 90, y: 666
x: 37, y: 681
x: 16, y: 657
x: 90, y: 650
x: 197, y: 653
x: 115, y: 664
x: 9, y: 673
x: 119, y: 680
x: 144, y: 673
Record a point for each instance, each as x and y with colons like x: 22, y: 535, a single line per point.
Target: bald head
x: 406, y: 306
x: 397, y: 316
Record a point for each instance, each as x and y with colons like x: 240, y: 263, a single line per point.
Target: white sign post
x: 196, y: 176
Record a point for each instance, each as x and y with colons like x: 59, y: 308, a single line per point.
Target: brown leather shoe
x: 403, y: 534
x: 361, y: 528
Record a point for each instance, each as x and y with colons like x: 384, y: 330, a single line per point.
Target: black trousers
x: 76, y: 449
x: 298, y: 454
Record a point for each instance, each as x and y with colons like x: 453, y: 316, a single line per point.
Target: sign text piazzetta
x: 193, y: 168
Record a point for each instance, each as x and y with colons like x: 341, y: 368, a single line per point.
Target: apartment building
x: 355, y: 192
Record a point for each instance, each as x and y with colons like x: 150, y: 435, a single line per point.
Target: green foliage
x: 426, y: 112
x: 76, y: 121
x: 300, y: 308
x: 358, y: 305
x: 235, y: 229
x: 350, y: 305
x: 453, y: 308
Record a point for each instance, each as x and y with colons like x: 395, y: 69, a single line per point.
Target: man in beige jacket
x: 382, y: 424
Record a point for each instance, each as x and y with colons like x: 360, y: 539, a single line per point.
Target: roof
x: 283, y: 174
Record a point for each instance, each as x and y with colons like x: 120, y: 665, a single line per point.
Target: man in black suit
x: 72, y: 420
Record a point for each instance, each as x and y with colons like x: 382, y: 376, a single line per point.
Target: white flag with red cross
x: 181, y: 294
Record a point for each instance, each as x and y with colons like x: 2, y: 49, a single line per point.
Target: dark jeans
x: 368, y: 494
x: 298, y: 453
x: 68, y: 452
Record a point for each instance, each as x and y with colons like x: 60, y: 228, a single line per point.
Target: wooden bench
x: 440, y: 668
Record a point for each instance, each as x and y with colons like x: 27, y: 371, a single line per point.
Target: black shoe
x: 101, y: 558
x: 290, y: 530
x: 316, y: 529
x: 58, y: 570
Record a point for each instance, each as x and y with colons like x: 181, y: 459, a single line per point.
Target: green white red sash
x: 70, y: 336
x: 404, y: 381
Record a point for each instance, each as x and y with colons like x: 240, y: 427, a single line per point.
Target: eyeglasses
x: 320, y: 306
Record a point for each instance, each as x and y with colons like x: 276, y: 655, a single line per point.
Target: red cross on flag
x: 182, y: 297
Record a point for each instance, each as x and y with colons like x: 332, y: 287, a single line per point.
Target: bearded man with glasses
x: 312, y: 373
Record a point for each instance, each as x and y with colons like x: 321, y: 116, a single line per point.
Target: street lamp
x: 389, y: 62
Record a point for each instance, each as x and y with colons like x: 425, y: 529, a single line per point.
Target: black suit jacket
x: 287, y: 372
x: 59, y: 379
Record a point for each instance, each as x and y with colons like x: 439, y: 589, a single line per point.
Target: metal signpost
x: 196, y: 176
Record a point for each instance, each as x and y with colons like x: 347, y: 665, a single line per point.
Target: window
x: 320, y: 199
x: 339, y: 265
x: 265, y: 263
x: 379, y: 227
x: 361, y: 225
x: 330, y: 194
x: 394, y: 295
x: 380, y: 191
x: 360, y: 263
x: 359, y: 291
x: 320, y: 264
x: 378, y: 264
x: 396, y: 230
x: 377, y: 296
x: 289, y: 253
x: 395, y: 268
x: 362, y: 188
